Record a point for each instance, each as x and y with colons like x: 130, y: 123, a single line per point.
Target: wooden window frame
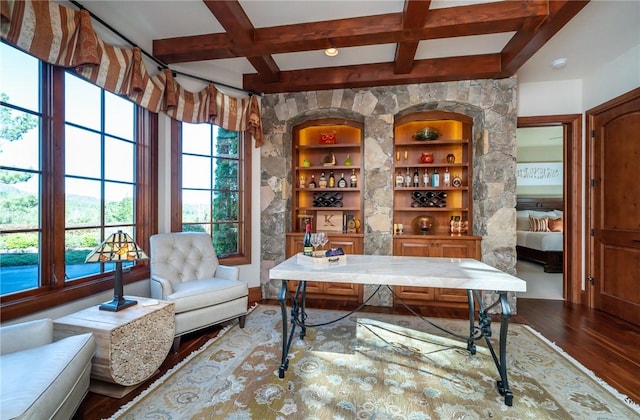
x: 244, y: 233
x: 53, y: 290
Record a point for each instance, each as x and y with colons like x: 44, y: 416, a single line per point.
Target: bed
x: 540, y: 240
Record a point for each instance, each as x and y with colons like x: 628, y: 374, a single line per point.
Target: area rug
x: 373, y: 366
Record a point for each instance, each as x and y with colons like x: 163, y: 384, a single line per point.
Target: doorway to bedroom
x: 540, y: 205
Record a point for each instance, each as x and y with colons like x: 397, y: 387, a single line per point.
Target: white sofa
x: 185, y: 270
x: 41, y: 378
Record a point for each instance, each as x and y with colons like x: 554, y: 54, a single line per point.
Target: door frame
x: 573, y: 185
x: 590, y: 116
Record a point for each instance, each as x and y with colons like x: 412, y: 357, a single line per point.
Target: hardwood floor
x: 606, y: 345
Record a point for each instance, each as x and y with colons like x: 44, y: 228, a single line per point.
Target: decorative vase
x: 423, y: 225
x: 426, y: 157
x: 451, y: 158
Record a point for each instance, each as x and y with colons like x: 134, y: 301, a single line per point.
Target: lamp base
x: 117, y: 305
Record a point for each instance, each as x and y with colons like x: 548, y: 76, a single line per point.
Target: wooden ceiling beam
x: 478, y: 19
x: 414, y: 15
x: 530, y: 39
x: 181, y: 49
x: 240, y: 33
x: 424, y: 71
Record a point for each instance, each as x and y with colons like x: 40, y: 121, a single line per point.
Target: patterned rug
x: 373, y: 366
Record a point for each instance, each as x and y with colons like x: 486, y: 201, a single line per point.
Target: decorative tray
x: 320, y: 259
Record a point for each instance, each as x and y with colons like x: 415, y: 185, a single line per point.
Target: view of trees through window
x: 211, y: 168
x: 98, y: 172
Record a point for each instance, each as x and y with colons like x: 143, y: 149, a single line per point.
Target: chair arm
x: 160, y: 287
x: 227, y: 272
x: 26, y: 335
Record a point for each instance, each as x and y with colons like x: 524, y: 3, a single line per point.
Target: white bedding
x: 542, y: 241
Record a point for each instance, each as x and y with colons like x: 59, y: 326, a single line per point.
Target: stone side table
x: 130, y: 344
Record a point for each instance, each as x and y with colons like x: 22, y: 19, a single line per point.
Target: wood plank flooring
x: 604, y: 344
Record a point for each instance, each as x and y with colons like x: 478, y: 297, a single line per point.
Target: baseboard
x: 255, y: 295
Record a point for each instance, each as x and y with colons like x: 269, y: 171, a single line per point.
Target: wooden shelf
x: 308, y: 158
x: 455, y: 132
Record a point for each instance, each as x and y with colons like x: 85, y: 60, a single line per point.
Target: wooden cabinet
x: 351, y: 244
x: 313, y: 155
x: 451, y: 153
x: 328, y: 146
x: 434, y: 246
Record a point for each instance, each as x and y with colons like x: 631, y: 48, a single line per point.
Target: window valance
x: 65, y: 37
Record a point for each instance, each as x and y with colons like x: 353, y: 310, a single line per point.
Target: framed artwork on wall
x: 539, y: 173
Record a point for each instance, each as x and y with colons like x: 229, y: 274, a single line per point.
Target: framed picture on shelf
x: 329, y: 221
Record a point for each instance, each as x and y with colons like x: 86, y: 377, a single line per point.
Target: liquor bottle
x: 303, y: 181
x: 435, y: 178
x: 342, y: 183
x: 323, y: 181
x: 399, y: 180
x: 446, y: 177
x: 416, y: 178
x: 354, y: 179
x: 312, y: 183
x: 408, y: 179
x: 332, y: 180
x: 307, y: 247
x: 425, y: 177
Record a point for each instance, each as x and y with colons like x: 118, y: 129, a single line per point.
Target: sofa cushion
x: 35, y: 382
x: 26, y: 335
x: 196, y: 294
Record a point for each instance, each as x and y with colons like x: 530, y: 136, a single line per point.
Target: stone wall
x: 491, y: 103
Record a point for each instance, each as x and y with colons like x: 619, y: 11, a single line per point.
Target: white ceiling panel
x: 347, y: 56
x: 266, y: 13
x: 461, y: 46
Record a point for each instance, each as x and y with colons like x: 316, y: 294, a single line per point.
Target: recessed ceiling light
x: 331, y: 52
x: 559, y: 63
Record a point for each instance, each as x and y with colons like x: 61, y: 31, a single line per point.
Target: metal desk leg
x: 485, y: 329
x: 298, y: 316
x: 282, y: 298
x: 503, y: 383
x: 472, y: 323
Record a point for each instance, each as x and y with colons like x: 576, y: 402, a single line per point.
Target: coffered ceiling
x: 278, y: 45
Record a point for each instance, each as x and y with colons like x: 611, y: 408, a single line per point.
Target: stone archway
x: 491, y: 104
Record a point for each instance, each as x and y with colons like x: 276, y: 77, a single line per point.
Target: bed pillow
x: 522, y: 223
x: 549, y: 214
x: 538, y: 224
x: 556, y: 225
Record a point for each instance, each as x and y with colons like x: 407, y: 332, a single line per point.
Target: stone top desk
x: 387, y: 271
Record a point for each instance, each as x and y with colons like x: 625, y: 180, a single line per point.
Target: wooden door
x: 616, y: 207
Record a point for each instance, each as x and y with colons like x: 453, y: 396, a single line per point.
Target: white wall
x: 612, y: 79
x: 550, y: 98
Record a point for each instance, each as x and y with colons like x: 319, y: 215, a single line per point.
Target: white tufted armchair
x: 185, y: 270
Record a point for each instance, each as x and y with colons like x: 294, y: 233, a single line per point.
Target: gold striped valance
x: 65, y: 37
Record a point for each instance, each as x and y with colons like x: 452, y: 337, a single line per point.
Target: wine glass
x: 315, y: 241
x: 323, y: 239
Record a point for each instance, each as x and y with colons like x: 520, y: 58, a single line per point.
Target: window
x: 75, y: 166
x: 99, y: 171
x: 214, y: 188
x: 20, y: 171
